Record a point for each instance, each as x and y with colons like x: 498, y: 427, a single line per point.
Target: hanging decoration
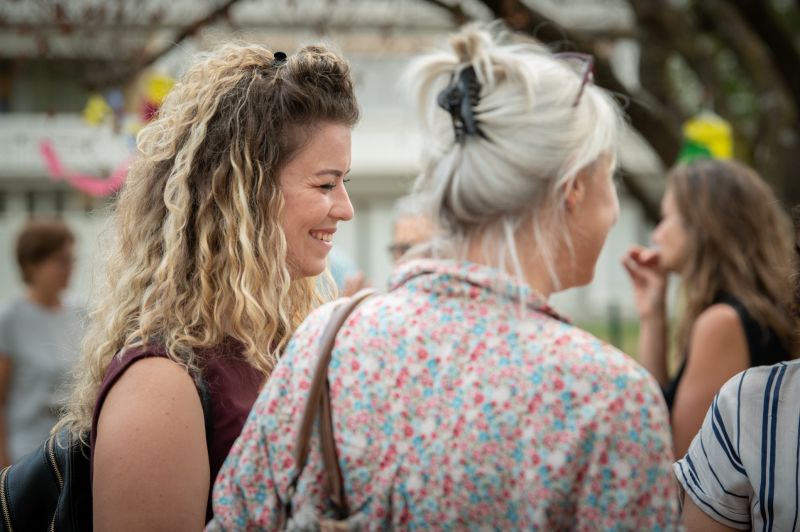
x: 157, y: 86
x: 88, y: 184
x: 99, y: 109
x: 706, y: 136
x: 116, y: 101
x: 96, y: 110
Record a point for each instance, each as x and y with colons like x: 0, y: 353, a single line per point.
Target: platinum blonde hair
x: 408, y: 207
x: 199, y: 254
x: 536, y: 139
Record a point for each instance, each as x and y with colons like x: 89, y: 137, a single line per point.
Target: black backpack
x: 50, y: 489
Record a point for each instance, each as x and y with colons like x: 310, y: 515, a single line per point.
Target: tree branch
x: 456, y: 12
x: 121, y: 78
x: 783, y: 51
x: 754, y: 57
x: 669, y: 28
x: 776, y: 152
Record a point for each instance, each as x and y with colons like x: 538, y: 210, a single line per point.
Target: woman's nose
x: 342, y: 208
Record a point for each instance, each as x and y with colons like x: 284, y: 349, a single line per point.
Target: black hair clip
x: 278, y: 59
x: 459, y: 99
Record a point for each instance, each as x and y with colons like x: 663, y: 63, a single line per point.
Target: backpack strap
x: 208, y: 409
x: 319, y: 406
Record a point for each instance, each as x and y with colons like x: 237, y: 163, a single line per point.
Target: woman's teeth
x: 325, y: 237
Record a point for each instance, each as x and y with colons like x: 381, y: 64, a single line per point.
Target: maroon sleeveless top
x: 232, y: 383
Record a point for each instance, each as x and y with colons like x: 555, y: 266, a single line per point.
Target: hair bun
x: 469, y: 45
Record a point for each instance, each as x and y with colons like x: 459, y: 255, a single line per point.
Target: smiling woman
x: 315, y: 198
x: 226, y: 215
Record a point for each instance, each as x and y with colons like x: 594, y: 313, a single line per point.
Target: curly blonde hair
x: 199, y: 254
x: 740, y: 242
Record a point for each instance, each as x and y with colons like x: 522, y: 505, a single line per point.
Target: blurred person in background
x: 347, y: 276
x: 723, y: 232
x: 752, y: 484
x: 460, y: 399
x: 226, y: 219
x: 40, y: 335
x: 412, y: 226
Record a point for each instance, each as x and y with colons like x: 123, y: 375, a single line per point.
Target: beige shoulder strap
x: 319, y: 403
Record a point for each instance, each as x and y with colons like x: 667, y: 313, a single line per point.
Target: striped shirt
x: 742, y: 467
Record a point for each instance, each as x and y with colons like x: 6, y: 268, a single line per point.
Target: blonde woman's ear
x: 576, y: 191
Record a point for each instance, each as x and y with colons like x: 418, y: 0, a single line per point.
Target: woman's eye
x: 331, y: 186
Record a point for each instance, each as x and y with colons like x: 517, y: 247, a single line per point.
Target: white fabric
x: 742, y: 467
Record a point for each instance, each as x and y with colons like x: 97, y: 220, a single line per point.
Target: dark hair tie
x: 459, y: 99
x: 278, y: 59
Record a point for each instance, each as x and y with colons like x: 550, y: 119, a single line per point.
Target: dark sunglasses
x: 584, y: 65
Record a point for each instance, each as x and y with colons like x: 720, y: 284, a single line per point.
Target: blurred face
x: 670, y: 235
x: 315, y: 199
x: 408, y: 232
x: 592, y: 210
x: 52, y: 275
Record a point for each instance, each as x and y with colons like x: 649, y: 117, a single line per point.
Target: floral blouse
x: 460, y: 401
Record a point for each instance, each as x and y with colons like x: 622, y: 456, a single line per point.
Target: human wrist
x: 655, y: 315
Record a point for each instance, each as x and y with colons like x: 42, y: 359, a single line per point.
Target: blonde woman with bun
x: 226, y: 217
x: 460, y: 399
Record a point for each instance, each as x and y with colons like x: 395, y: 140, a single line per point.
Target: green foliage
x: 629, y: 335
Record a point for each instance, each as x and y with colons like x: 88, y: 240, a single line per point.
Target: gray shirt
x: 42, y: 345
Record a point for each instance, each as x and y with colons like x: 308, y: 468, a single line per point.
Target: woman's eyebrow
x: 332, y: 171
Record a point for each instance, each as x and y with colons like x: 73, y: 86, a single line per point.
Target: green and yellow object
x: 706, y: 136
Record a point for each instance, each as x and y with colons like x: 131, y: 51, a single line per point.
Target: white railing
x: 79, y: 146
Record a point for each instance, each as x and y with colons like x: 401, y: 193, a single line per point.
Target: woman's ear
x: 575, y: 192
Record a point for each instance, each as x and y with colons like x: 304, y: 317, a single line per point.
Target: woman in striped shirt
x: 741, y: 471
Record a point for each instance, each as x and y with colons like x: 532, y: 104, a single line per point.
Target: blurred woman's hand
x: 649, y: 281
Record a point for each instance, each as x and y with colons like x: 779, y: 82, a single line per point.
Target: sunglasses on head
x: 584, y: 65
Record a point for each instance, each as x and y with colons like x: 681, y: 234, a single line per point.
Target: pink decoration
x: 91, y: 185
x: 149, y: 110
